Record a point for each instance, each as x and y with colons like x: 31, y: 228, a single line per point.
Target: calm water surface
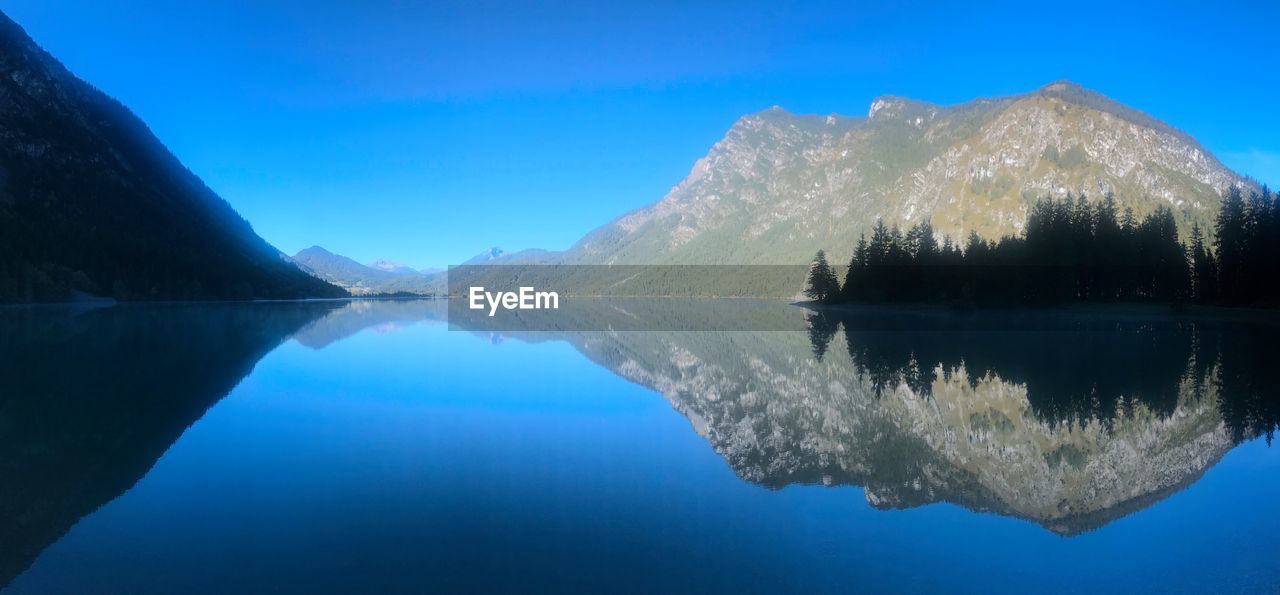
x: 369, y: 447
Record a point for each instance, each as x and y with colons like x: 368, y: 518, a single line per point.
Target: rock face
x: 92, y: 202
x: 780, y: 186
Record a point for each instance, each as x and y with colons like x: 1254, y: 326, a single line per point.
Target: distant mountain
x: 386, y: 277
x: 499, y: 256
x: 92, y: 202
x: 778, y: 187
x: 362, y: 279
x: 392, y: 267
x: 486, y: 256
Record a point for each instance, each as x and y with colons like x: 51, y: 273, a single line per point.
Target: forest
x: 1071, y: 250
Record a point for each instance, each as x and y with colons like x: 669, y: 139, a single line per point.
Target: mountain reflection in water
x: 1069, y: 419
x: 89, y: 400
x: 1066, y: 419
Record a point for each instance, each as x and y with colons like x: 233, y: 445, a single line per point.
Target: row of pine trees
x: 1072, y: 250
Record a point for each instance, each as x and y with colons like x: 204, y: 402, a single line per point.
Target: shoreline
x: 1080, y: 311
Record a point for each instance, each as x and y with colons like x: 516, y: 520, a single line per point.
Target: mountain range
x: 378, y: 278
x: 497, y: 255
x: 383, y: 277
x: 91, y: 203
x: 779, y: 186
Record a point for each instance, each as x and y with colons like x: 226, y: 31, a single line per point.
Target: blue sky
x: 425, y: 132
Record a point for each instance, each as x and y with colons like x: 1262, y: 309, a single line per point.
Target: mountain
x: 497, y: 255
x: 486, y: 256
x: 392, y: 267
x: 91, y: 201
x: 779, y: 186
x: 359, y: 279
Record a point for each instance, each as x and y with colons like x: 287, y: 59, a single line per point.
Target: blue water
x: 408, y: 457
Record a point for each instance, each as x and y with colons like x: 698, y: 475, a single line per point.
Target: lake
x: 372, y: 446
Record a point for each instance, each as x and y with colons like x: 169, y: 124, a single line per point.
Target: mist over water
x: 372, y: 446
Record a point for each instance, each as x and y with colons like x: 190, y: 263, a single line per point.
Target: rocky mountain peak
x: 313, y: 251
x: 1076, y: 94
x: 892, y: 107
x: 778, y: 120
x: 779, y: 186
x: 486, y: 256
x: 1064, y: 87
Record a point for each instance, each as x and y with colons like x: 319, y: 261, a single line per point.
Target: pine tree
x: 1229, y: 245
x: 855, y: 278
x: 822, y: 286
x: 1204, y: 281
x: 822, y: 328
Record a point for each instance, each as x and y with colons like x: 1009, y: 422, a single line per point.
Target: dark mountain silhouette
x: 92, y: 202
x: 89, y: 402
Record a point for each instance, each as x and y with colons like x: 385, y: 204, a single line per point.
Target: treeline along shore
x: 1071, y: 250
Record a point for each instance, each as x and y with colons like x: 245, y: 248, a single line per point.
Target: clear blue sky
x: 425, y: 132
